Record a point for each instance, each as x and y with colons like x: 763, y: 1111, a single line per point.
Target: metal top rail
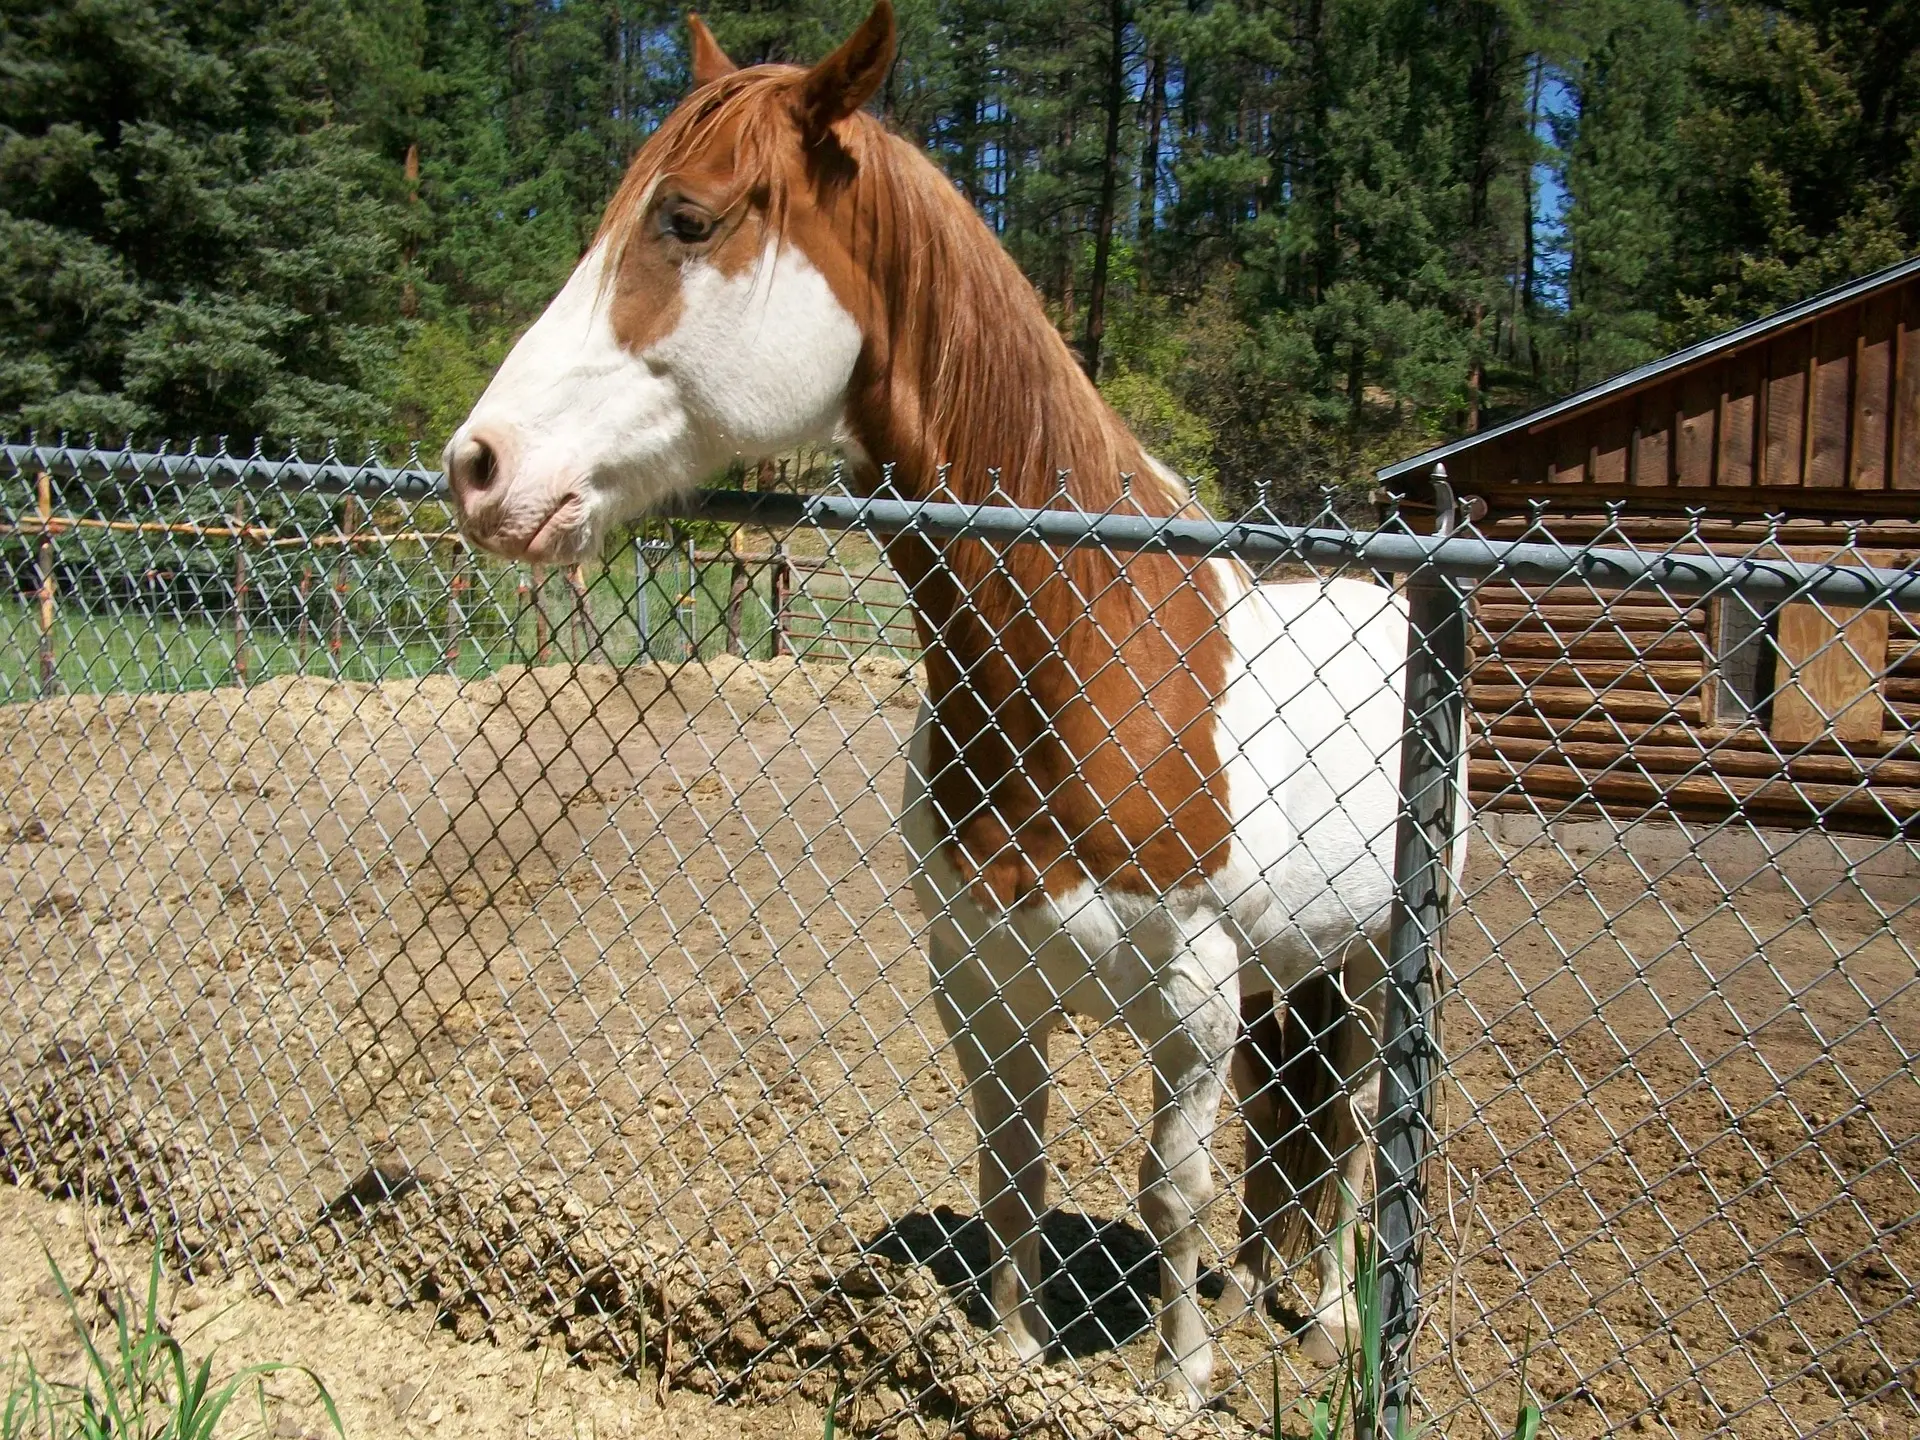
x: 1396, y: 551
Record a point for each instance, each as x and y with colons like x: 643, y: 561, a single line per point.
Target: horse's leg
x: 1188, y: 1030
x: 1005, y: 1064
x: 1355, y: 1114
x: 1256, y: 1060
x: 1335, y: 1316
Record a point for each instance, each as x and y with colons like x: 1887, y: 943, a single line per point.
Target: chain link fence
x: 540, y: 952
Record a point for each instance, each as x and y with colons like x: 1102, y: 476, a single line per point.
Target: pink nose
x: 473, y: 468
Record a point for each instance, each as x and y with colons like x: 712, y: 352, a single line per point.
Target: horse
x: 1142, y: 787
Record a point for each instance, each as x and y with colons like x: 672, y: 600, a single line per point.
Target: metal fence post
x: 241, y: 633
x: 642, y: 609
x: 1430, y: 751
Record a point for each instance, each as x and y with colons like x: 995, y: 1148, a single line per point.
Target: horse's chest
x: 1091, y: 951
x: 1092, y: 947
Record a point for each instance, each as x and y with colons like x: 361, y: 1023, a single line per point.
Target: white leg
x: 1005, y: 1063
x: 1189, y: 1036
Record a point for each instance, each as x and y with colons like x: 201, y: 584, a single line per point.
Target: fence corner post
x: 1430, y: 756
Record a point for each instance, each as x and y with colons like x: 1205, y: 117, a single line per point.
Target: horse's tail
x: 1318, y: 1057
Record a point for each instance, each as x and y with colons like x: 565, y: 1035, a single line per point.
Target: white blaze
x: 590, y: 433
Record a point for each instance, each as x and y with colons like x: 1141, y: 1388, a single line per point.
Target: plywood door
x: 1831, y: 663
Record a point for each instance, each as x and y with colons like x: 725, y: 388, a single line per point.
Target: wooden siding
x: 1821, y: 417
x: 1585, y: 701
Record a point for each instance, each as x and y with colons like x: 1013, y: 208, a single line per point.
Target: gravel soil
x: 391, y: 1380
x: 585, y: 1007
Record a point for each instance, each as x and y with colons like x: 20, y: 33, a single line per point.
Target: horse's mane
x: 1001, y: 399
x: 1073, y: 684
x: 984, y: 400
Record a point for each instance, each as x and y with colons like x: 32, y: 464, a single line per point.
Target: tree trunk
x: 1476, y: 370
x: 1115, y: 99
x: 1486, y: 102
x: 1316, y: 165
x: 1529, y: 276
x: 1156, y: 98
x: 410, y: 248
x: 1067, y: 309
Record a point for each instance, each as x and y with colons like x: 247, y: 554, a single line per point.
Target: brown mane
x: 981, y: 382
x: 1075, y: 690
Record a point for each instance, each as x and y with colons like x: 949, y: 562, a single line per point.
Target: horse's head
x: 701, y: 327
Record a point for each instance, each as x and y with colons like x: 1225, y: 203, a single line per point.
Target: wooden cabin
x: 1798, y: 434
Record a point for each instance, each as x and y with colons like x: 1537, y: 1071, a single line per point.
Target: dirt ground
x: 390, y: 1380
x: 585, y: 1008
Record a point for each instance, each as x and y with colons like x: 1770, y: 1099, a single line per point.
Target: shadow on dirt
x: 1100, y: 1277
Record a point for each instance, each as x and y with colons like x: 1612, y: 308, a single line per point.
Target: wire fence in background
x: 541, y: 952
x: 235, y: 586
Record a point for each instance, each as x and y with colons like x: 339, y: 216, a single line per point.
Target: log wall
x: 1590, y: 702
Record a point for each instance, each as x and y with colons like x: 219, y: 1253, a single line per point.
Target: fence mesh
x: 541, y: 951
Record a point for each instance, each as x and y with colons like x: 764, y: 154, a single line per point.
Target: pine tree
x: 1627, y: 85
x: 1805, y: 143
x: 189, y: 239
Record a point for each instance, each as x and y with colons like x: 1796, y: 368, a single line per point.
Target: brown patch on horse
x: 1075, y: 691
x: 689, y: 164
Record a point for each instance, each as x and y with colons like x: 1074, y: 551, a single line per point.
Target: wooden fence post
x: 782, y: 586
x: 456, y: 613
x: 349, y: 518
x: 306, y: 618
x: 48, y: 586
x: 586, y: 635
x: 240, y: 589
x: 540, y: 637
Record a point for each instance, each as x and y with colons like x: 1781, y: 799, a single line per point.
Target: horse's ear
x: 848, y: 78
x: 710, y: 62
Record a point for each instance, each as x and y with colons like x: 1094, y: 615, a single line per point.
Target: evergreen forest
x: 1293, y: 239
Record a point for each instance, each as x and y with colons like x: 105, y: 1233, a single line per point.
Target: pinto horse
x: 1142, y: 787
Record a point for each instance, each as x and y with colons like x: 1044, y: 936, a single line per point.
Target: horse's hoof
x: 1243, y: 1296
x: 1322, y: 1345
x: 1183, y: 1388
x: 1025, y: 1347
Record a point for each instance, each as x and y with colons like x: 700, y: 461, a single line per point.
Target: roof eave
x: 1725, y: 343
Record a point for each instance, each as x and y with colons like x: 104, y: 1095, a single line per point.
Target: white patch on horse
x: 593, y: 434
x: 1309, y: 734
x: 762, y: 360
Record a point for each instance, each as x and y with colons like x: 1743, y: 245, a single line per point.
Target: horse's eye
x: 688, y: 225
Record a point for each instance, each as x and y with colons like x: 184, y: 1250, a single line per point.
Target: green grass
x: 406, y: 608
x: 1355, y: 1391
x: 397, y: 622
x: 140, y: 1385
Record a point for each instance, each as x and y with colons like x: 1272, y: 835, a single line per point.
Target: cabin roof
x: 1714, y: 349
